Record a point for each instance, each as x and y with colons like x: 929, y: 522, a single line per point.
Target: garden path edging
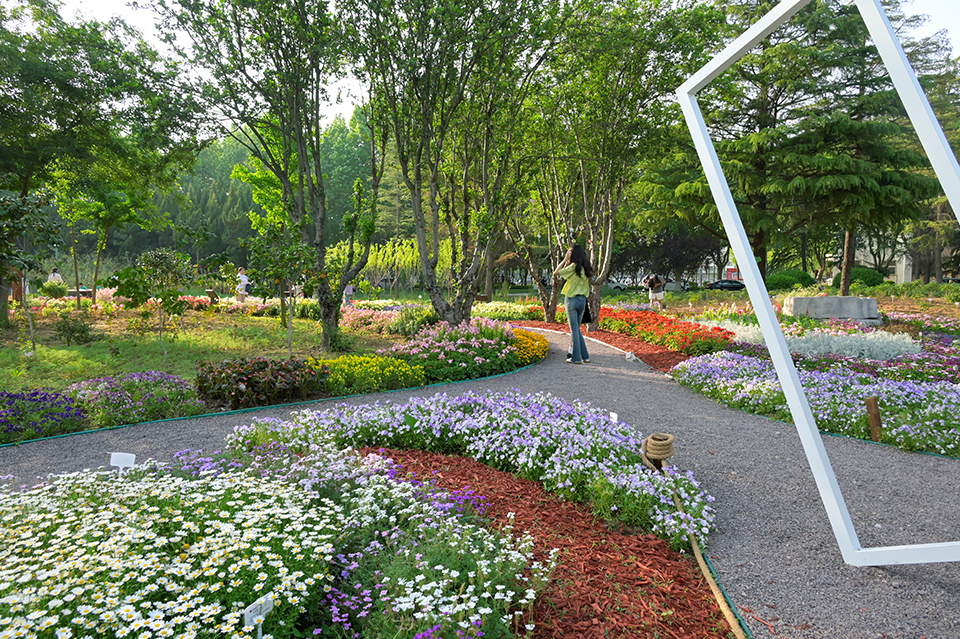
x: 239, y: 411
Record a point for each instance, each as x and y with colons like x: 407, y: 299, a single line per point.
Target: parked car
x: 617, y: 286
x: 726, y: 285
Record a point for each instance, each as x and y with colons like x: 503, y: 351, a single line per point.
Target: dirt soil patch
x: 608, y: 583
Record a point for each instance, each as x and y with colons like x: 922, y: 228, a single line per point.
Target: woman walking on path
x: 576, y: 270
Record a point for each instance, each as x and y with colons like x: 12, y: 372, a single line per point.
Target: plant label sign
x: 255, y: 613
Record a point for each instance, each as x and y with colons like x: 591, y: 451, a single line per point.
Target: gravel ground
x: 774, y: 550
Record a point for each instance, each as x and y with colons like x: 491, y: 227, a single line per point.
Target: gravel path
x: 773, y: 550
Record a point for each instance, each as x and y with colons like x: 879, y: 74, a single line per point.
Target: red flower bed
x: 677, y: 335
x: 658, y: 357
x: 689, y: 338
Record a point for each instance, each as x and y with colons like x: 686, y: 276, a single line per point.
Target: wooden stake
x: 873, y: 415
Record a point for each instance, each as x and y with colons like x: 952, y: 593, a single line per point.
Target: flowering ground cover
x: 576, y: 450
x: 689, y: 338
x: 607, y: 582
x: 361, y: 320
x: 840, y: 364
x: 136, y: 397
x: 924, y: 322
x: 37, y: 413
x: 916, y: 415
x: 180, y: 550
x: 476, y: 348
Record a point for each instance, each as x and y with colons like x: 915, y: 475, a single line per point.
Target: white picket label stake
x: 255, y: 613
x: 123, y: 461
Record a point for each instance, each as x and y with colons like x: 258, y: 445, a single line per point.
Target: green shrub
x: 354, y: 374
x: 308, y: 309
x: 932, y: 289
x: 412, y: 319
x: 503, y: 311
x: 866, y: 276
x: 76, y: 328
x: 258, y: 381
x: 56, y: 290
x: 789, y: 279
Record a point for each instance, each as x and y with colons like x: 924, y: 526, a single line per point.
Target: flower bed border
x: 256, y: 408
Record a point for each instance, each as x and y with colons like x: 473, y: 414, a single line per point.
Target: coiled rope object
x: 655, y: 449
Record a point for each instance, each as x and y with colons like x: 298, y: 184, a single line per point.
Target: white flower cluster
x: 435, y: 592
x: 158, y: 556
x: 876, y: 345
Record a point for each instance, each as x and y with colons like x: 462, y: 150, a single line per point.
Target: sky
x: 944, y: 14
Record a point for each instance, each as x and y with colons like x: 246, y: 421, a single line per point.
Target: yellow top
x: 576, y: 284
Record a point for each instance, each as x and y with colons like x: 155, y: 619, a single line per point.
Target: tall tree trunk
x: 76, y: 262
x: 937, y: 256
x: 4, y: 303
x: 488, y: 287
x: 849, y: 253
x: 803, y: 252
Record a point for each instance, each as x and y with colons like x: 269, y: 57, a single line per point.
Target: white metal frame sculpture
x: 944, y: 163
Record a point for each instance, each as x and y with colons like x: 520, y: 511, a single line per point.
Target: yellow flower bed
x: 354, y: 374
x: 531, y: 347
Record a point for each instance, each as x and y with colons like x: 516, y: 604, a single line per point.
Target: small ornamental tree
x: 158, y: 276
x: 25, y: 238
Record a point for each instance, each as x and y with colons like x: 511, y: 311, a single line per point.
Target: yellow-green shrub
x: 354, y: 374
x: 531, y: 347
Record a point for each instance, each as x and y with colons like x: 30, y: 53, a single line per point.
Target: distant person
x: 243, y: 286
x: 577, y: 271
x: 55, y: 276
x: 348, y: 291
x: 656, y: 284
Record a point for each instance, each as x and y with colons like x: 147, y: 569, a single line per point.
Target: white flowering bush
x: 154, y: 555
x: 341, y: 545
x: 875, y: 345
x: 411, y: 566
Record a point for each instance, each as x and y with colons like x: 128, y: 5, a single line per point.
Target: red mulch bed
x: 658, y: 357
x: 608, y: 583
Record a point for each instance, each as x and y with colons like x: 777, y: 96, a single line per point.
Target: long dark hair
x: 579, y: 258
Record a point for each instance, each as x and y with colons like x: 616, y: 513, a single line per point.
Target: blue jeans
x: 575, y: 307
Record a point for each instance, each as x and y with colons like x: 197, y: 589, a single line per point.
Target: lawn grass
x: 202, y: 337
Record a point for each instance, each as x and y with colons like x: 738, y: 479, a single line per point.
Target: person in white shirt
x: 242, y: 286
x: 55, y: 276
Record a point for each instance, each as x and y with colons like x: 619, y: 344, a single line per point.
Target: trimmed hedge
x: 866, y: 276
x: 788, y: 279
